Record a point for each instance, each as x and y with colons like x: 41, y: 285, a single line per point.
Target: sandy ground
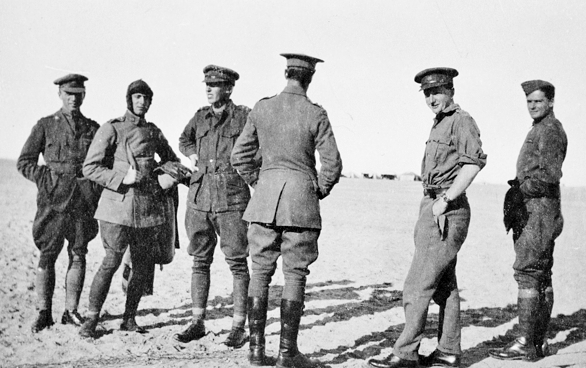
x: 353, y: 308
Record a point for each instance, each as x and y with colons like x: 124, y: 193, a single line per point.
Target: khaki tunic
x: 121, y: 143
x: 289, y: 128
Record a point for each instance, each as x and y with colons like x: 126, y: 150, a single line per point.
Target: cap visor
x: 431, y: 85
x: 73, y: 89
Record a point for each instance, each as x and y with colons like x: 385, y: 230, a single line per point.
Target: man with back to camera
x: 536, y: 222
x: 66, y: 201
x: 452, y: 159
x: 284, y: 213
x: 216, y: 200
x: 133, y: 208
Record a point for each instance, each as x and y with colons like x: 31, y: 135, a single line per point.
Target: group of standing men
x: 271, y: 149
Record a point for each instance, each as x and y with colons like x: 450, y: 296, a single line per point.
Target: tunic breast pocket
x: 52, y: 150
x: 231, y: 134
x: 84, y: 143
x: 442, y: 148
x: 112, y: 195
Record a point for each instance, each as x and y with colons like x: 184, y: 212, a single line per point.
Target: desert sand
x: 353, y: 305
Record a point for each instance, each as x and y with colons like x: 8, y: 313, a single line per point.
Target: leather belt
x: 66, y: 168
x: 433, y: 193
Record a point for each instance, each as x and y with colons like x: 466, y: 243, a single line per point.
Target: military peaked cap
x: 302, y: 61
x: 533, y: 85
x: 71, y: 83
x: 434, y: 77
x: 219, y: 74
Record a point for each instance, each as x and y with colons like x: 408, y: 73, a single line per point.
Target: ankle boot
x: 257, y: 319
x: 238, y: 336
x: 289, y: 355
x: 129, y: 322
x: 44, y: 320
x: 522, y: 348
x: 88, y: 328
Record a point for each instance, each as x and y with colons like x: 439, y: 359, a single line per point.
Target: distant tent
x: 409, y: 176
x: 371, y: 175
x: 388, y: 176
x: 351, y: 174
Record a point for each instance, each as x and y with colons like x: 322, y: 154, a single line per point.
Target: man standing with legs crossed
x: 216, y: 200
x: 453, y: 156
x: 284, y: 211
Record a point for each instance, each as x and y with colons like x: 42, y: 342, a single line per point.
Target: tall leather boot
x: 289, y: 355
x: 542, y: 324
x: 523, y: 347
x: 257, y: 320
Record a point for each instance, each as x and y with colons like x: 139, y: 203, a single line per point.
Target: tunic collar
x: 132, y: 118
x: 447, y: 112
x: 228, y: 109
x: 549, y: 116
x: 295, y: 90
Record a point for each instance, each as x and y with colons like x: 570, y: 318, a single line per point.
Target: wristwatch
x: 445, y: 198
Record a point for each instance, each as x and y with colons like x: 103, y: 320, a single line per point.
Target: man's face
x: 438, y: 98
x: 71, y: 101
x: 218, y: 92
x: 140, y: 103
x: 538, y: 105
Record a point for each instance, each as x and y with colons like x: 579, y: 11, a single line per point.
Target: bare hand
x: 166, y: 181
x: 439, y: 207
x: 193, y: 158
x: 130, y: 177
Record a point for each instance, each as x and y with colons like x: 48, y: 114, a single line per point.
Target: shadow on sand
x: 381, y: 299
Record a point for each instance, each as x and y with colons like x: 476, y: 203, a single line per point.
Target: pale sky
x: 372, y: 51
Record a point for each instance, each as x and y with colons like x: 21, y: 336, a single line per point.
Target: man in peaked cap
x: 134, y: 207
x: 284, y: 212
x: 216, y: 200
x: 453, y: 156
x: 66, y: 200
x: 538, y: 223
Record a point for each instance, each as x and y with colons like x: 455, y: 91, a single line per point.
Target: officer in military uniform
x: 216, y: 200
x: 284, y: 211
x: 537, y: 223
x: 453, y: 156
x: 66, y: 201
x: 133, y: 207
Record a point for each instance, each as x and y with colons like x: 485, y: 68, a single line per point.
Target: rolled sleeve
x: 469, y: 144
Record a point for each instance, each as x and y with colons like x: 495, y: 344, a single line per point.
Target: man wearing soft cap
x: 452, y: 159
x: 536, y: 222
x: 66, y: 201
x: 216, y: 200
